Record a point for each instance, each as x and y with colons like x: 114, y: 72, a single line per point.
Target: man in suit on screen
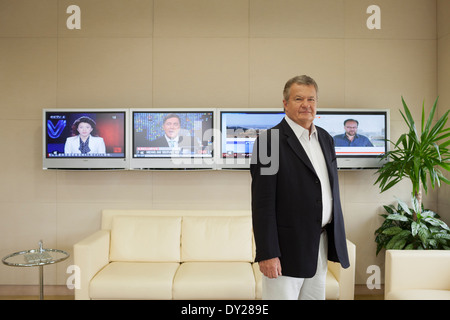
x: 173, y: 138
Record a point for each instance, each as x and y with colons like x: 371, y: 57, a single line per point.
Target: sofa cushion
x: 144, y: 238
x: 216, y: 239
x: 134, y: 280
x: 214, y: 280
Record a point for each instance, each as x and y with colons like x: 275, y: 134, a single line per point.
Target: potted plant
x: 419, y: 158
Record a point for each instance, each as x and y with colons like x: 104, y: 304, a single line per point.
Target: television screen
x: 362, y: 147
x: 161, y: 138
x: 359, y: 135
x: 83, y: 138
x: 239, y: 130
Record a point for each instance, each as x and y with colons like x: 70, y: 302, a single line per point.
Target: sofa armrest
x: 345, y: 277
x: 416, y: 269
x: 90, y: 255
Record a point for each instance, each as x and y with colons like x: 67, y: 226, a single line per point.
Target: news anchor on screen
x: 84, y: 140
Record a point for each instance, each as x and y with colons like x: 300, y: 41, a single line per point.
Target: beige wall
x: 196, y: 53
x: 443, y: 37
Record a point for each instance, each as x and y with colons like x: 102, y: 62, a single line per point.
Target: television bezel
x: 236, y: 163
x: 85, y: 163
x: 168, y: 163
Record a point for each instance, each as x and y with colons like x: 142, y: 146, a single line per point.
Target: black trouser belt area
x: 324, y: 228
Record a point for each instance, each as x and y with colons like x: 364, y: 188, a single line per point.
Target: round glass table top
x: 35, y: 257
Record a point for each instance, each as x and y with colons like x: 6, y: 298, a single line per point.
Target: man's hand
x: 271, y: 268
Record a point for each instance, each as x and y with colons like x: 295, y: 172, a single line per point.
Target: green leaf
x: 433, y: 243
x: 437, y: 222
x: 390, y: 244
x: 414, y: 228
x: 392, y: 230
x: 445, y: 144
x: 403, y: 234
x: 441, y: 235
x: 410, y: 120
x: 399, y: 240
x: 397, y: 217
x: 380, y: 246
x: 390, y: 209
x: 415, y: 203
x: 423, y: 114
x: 430, y: 116
x: 404, y: 207
x: 399, y: 244
x: 428, y: 213
x: 424, y: 234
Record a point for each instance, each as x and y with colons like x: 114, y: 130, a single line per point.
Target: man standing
x: 297, y: 216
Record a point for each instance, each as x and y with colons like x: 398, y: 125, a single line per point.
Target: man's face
x: 302, y: 105
x: 171, y: 127
x: 351, y: 127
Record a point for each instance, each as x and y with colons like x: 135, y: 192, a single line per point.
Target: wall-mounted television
x: 172, y: 138
x: 359, y: 135
x: 239, y: 129
x: 85, y: 139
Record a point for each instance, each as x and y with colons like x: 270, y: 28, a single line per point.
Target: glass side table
x: 36, y: 258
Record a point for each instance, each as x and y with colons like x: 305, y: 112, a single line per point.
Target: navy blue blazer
x: 287, y: 205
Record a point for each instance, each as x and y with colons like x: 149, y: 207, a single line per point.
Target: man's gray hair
x: 300, y: 80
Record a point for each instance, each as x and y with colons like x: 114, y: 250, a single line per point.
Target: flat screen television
x: 239, y: 129
x: 85, y: 139
x: 359, y: 135
x: 172, y: 138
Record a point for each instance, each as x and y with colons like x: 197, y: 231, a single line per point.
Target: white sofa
x: 417, y: 275
x: 180, y: 254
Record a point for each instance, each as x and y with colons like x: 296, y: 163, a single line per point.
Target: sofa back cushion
x: 145, y: 238
x: 216, y: 239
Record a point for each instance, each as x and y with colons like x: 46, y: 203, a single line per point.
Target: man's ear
x: 284, y: 105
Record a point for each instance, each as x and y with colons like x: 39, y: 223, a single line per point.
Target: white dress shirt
x: 310, y: 142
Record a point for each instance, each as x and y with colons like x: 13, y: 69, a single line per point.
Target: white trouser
x: 290, y: 288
